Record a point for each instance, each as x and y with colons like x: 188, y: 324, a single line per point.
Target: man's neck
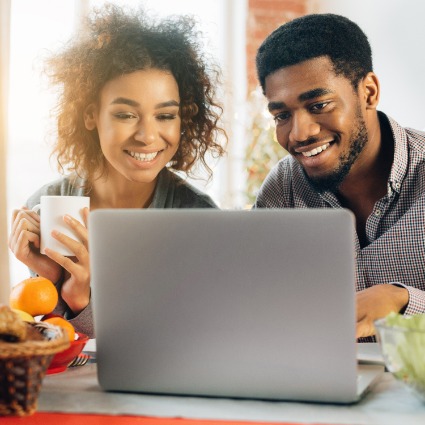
x: 367, y: 181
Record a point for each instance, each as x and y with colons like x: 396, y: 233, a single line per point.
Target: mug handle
x: 36, y: 208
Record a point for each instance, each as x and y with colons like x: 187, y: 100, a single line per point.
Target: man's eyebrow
x: 308, y: 95
x: 273, y: 106
x: 130, y: 102
x: 312, y: 94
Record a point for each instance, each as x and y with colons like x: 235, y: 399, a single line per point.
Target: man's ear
x: 90, y: 117
x: 371, y: 90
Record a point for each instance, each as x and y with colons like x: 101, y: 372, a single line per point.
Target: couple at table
x: 137, y: 101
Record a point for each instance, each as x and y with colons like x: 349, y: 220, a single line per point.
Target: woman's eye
x: 125, y: 116
x: 166, y: 117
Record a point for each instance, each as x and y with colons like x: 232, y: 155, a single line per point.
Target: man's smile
x: 315, y: 150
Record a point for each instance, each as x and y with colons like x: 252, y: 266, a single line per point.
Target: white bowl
x: 402, y: 341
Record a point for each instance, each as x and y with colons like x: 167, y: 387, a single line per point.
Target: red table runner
x: 89, y: 419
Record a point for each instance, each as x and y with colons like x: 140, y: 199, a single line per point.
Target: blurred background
x: 233, y: 30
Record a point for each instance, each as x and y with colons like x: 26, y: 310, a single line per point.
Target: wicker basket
x: 22, y: 369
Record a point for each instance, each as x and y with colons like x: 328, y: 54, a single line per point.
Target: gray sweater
x: 171, y: 192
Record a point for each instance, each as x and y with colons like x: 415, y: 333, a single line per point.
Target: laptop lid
x: 256, y: 304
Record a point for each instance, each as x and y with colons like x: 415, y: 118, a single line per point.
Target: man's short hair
x: 312, y: 36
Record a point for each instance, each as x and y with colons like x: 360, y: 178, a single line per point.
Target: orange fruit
x: 35, y: 296
x: 64, y: 324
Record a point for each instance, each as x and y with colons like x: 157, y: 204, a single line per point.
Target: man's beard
x: 333, y: 180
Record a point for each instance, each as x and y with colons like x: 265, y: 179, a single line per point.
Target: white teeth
x: 143, y: 156
x: 317, y: 150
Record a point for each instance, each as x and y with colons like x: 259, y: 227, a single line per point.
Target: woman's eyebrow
x: 125, y: 101
x: 131, y: 102
x: 168, y: 103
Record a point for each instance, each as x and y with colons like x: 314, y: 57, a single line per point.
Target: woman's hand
x: 75, y: 290
x: 24, y: 242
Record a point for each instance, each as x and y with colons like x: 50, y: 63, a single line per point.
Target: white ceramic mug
x: 52, y: 210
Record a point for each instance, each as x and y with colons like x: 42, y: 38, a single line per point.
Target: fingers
x: 19, y: 244
x: 16, y: 211
x: 24, y: 242
x: 26, y: 219
x: 73, y: 265
x: 78, y: 228
x: 79, y: 249
x: 365, y: 328
x: 376, y: 302
x: 363, y: 323
x: 75, y: 289
x: 25, y: 230
x: 86, y: 213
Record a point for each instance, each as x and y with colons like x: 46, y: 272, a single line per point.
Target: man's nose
x: 146, y: 132
x: 303, y: 127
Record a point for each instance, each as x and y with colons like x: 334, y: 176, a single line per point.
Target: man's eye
x: 283, y: 116
x: 317, y: 107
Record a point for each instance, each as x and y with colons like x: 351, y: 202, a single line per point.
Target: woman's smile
x: 144, y: 161
x: 143, y: 157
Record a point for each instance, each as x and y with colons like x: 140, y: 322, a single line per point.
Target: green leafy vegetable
x: 403, y: 345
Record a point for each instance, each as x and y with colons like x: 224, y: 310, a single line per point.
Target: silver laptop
x: 251, y: 304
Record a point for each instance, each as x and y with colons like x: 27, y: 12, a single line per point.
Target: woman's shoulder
x: 71, y: 185
x: 182, y: 194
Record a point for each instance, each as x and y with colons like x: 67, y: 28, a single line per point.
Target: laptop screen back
x: 256, y: 304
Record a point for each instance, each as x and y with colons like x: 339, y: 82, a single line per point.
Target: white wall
x: 36, y: 27
x: 396, y: 32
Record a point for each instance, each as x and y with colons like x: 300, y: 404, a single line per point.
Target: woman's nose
x: 146, y: 132
x: 303, y: 127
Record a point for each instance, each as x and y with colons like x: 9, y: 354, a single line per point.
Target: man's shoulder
x: 282, y: 183
x: 286, y: 171
x: 416, y: 139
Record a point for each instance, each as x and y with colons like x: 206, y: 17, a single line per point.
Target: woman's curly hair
x: 118, y: 42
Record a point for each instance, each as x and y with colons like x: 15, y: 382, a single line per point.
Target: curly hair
x: 312, y: 36
x: 118, y: 42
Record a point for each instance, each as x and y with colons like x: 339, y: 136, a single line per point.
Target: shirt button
x: 378, y: 213
x: 397, y: 185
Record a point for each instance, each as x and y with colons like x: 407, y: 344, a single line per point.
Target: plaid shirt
x: 395, y: 252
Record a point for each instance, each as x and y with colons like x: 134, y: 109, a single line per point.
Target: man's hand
x: 376, y: 302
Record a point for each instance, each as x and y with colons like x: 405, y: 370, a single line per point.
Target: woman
x: 136, y: 100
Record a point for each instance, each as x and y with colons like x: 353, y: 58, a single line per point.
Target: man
x: 316, y: 72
